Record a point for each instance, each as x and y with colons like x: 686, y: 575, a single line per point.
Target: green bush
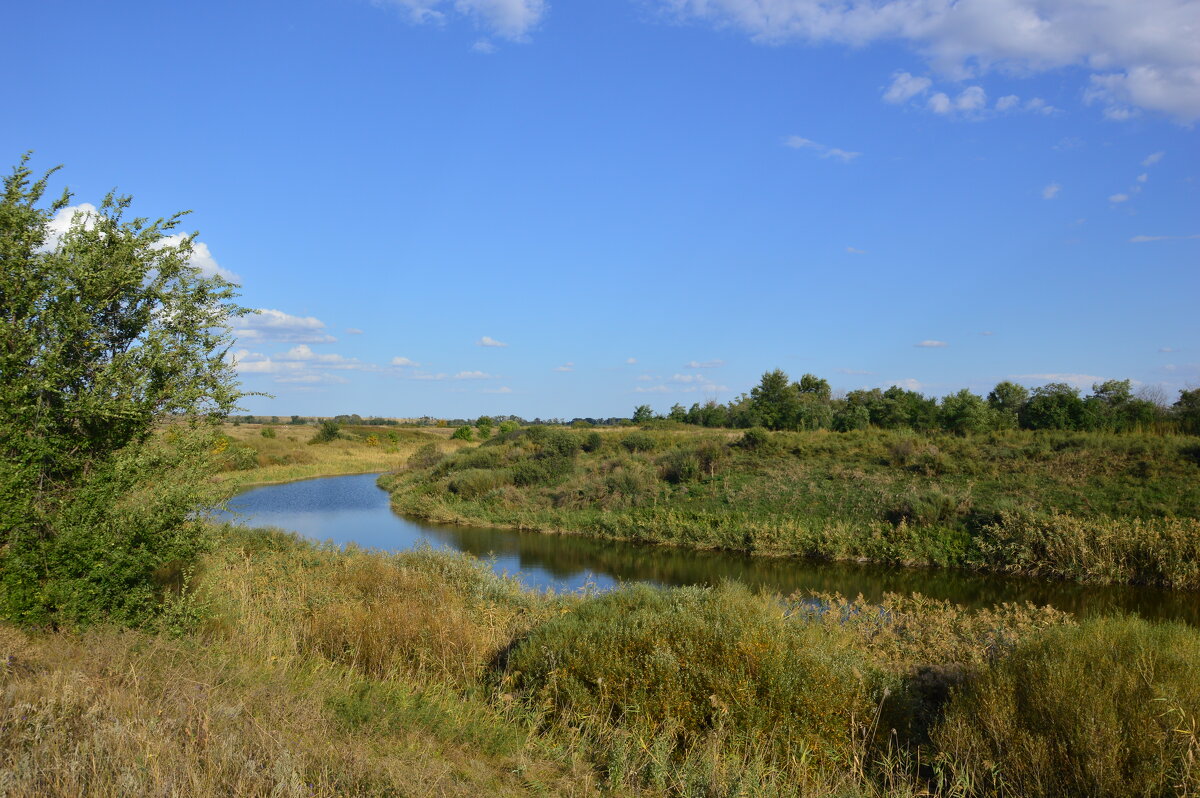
x: 755, y: 439
x: 268, y: 432
x: 694, y: 661
x: 326, y: 432
x: 463, y: 433
x: 638, y: 442
x: 427, y: 456
x: 473, y: 482
x: 1108, y: 708
x: 592, y: 442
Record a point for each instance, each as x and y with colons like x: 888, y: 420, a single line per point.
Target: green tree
x: 463, y: 433
x: 642, y: 414
x: 109, y: 334
x: 1053, y: 406
x: 484, y: 425
x: 678, y: 413
x: 1007, y: 400
x: 965, y: 413
x: 774, y: 402
x: 1187, y: 410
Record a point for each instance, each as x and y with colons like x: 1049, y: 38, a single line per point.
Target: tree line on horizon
x: 778, y: 403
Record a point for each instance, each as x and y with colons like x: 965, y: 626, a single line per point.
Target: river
x: 353, y: 509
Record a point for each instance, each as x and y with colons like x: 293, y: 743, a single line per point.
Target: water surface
x: 354, y: 509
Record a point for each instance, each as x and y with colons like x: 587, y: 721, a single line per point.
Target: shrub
x: 268, y: 432
x: 508, y: 426
x: 463, y: 433
x: 326, y: 432
x: 592, y: 442
x: 473, y: 482
x: 680, y: 465
x: 638, y: 442
x: 559, y: 443
x: 695, y: 661
x: 1108, y: 708
x: 755, y: 439
x: 427, y: 456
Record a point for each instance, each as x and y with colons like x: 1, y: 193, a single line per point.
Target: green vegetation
x: 1093, y: 507
x: 777, y: 403
x: 109, y: 334
x: 304, y: 669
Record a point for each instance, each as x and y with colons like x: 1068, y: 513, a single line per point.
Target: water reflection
x: 354, y: 509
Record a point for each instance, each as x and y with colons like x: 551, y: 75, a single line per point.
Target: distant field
x: 250, y: 458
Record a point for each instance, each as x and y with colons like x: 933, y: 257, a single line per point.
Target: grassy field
x: 250, y: 458
x: 1082, y: 506
x: 299, y: 670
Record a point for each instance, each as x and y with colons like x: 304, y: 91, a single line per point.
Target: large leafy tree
x: 112, y: 370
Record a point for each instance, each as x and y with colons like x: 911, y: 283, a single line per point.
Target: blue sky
x: 558, y: 208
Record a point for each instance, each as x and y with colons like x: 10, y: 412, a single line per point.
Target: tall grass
x: 317, y: 671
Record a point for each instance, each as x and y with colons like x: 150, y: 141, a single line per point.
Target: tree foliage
x: 108, y: 334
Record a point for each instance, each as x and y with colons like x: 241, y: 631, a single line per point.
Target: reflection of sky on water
x: 354, y: 510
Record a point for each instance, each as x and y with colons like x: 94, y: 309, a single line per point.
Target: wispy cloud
x: 403, y: 361
x: 487, y: 340
x: 1153, y: 158
x: 275, y: 325
x: 837, y: 153
x: 1144, y: 239
x: 1051, y: 191
x: 501, y: 389
x: 353, y: 331
x: 629, y: 361
x: 856, y: 251
x: 1118, y: 198
x: 509, y: 19
x: 1078, y: 380
x: 565, y: 367
x: 854, y: 372
x: 930, y: 344
x: 904, y: 87
x: 704, y: 364
x: 473, y: 375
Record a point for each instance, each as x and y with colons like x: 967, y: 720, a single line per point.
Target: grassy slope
x: 1091, y: 507
x: 255, y: 460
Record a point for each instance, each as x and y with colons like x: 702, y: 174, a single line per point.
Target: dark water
x: 354, y: 510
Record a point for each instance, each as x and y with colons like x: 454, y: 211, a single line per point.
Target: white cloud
x: 1143, y: 177
x: 1079, y: 380
x: 565, y: 367
x: 904, y: 87
x: 647, y: 378
x: 687, y: 378
x: 1007, y: 102
x: 489, y: 341
x: 972, y: 98
x: 1039, y: 106
x: 908, y: 383
x: 312, y: 378
x: 473, y: 375
x: 275, y: 325
x: 1051, y: 191
x: 1143, y: 54
x: 940, y: 103
x: 855, y: 372
x: 704, y: 364
x: 201, y: 258
x: 629, y: 361
x: 353, y: 331
x: 1144, y: 239
x: 508, y: 19
x: 931, y: 344
x: 484, y: 47
x: 425, y: 375
x: 652, y: 389
x: 85, y: 214
x: 303, y: 353
x: 1153, y: 158
x: 1119, y: 198
x: 856, y: 251
x: 501, y: 389
x: 801, y: 143
x: 403, y: 361
x: 247, y: 362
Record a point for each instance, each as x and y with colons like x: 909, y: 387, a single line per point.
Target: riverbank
x: 269, y: 454
x: 298, y: 669
x: 1087, y: 507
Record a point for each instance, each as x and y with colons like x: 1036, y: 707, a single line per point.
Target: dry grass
x: 288, y: 456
